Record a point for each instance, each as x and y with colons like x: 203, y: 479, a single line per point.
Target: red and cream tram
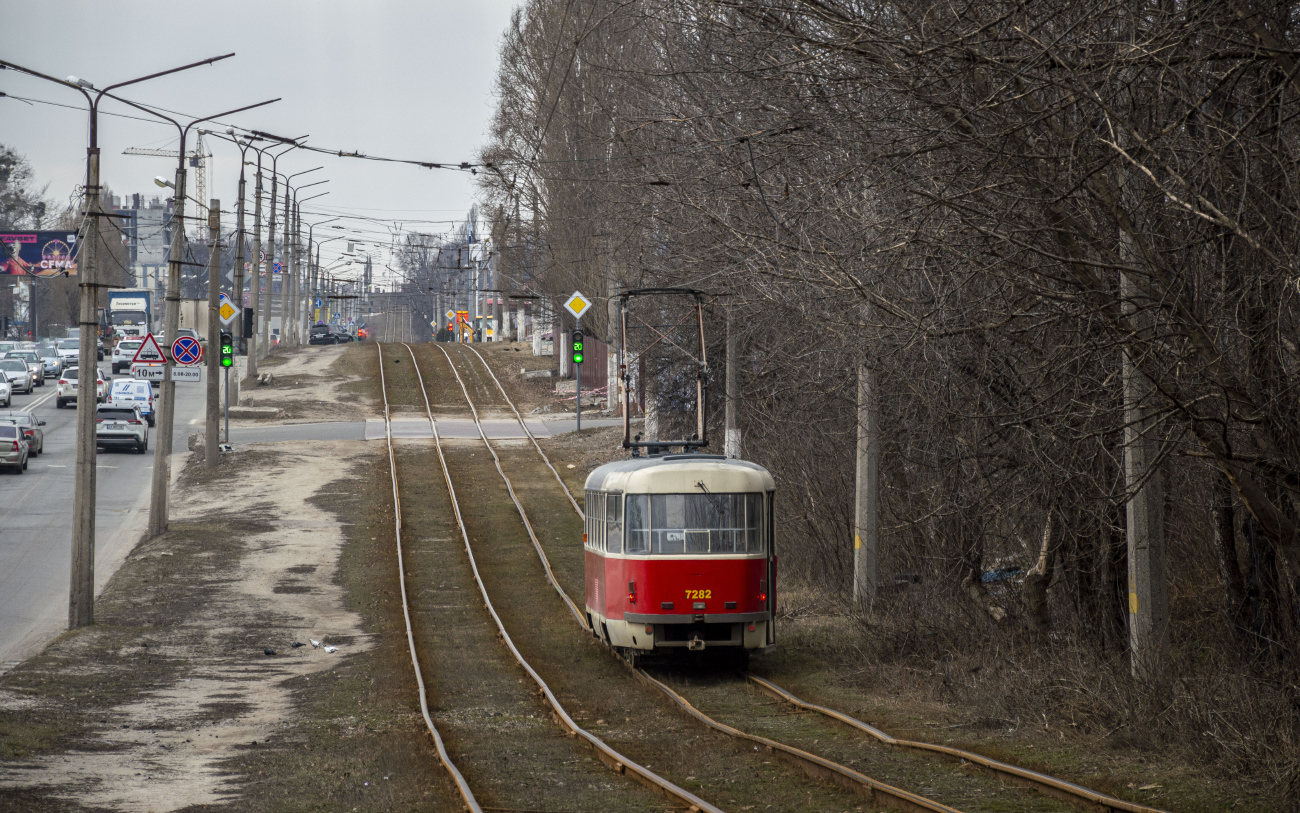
x: 679, y: 554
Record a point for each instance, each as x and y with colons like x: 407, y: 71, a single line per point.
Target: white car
x: 133, y: 392
x: 124, y: 353
x: 69, y: 351
x: 6, y: 392
x: 121, y: 426
x: 67, y: 392
x: 19, y: 374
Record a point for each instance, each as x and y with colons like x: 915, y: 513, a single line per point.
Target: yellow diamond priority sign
x: 226, y: 310
x: 577, y: 305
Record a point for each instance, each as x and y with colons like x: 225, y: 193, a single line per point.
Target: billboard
x: 39, y: 253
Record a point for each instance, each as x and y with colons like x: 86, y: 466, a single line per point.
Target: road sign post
x: 577, y: 304
x: 577, y: 374
x: 227, y: 361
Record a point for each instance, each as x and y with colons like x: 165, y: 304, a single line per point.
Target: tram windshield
x: 694, y: 523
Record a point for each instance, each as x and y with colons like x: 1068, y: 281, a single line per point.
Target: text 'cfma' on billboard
x: 39, y: 253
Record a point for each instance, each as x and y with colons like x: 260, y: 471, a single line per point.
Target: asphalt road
x: 36, y: 518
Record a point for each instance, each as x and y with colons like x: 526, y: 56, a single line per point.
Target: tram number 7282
x: 664, y: 527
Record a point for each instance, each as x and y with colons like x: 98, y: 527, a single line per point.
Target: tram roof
x: 678, y: 474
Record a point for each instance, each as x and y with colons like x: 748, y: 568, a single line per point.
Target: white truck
x: 129, y: 311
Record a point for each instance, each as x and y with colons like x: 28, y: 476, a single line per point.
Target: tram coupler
x: 696, y: 644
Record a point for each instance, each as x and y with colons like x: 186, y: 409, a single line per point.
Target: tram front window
x: 694, y: 523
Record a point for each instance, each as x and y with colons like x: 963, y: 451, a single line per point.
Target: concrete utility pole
x: 158, y: 509
x: 250, y: 342
x: 1148, y: 603
x: 81, y: 593
x: 237, y: 295
x: 731, y: 437
x: 866, y: 514
x: 167, y: 392
x: 286, y: 262
x: 212, y: 359
x: 270, y: 265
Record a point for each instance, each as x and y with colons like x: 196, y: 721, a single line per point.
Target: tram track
x: 610, y: 756
x: 1054, y: 787
x: 819, y: 768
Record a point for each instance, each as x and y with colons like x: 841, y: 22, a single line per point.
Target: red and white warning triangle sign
x: 149, y: 352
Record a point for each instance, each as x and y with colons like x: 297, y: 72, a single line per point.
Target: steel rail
x: 876, y: 792
x: 529, y: 433
x: 811, y: 764
x: 1049, y: 785
x: 606, y: 753
x: 523, y: 515
x: 461, y: 785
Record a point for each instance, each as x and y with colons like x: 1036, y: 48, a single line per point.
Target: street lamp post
x: 81, y: 594
x: 298, y: 266
x: 264, y: 314
x: 158, y: 510
x: 295, y: 279
x: 285, y: 266
x: 313, y: 267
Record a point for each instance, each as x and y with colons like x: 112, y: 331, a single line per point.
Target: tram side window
x: 613, y: 524
x: 638, y: 523
x: 694, y: 523
x: 593, y: 509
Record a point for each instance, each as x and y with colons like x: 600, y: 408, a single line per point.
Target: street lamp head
x: 163, y: 182
x: 73, y: 80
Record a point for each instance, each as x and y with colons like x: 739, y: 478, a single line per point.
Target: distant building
x: 148, y: 235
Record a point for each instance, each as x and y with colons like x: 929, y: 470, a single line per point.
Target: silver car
x: 34, y: 364
x: 30, y: 425
x: 20, y: 377
x: 13, y: 447
x: 50, y: 358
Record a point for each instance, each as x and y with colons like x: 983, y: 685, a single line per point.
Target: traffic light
x: 227, y: 349
x: 577, y: 347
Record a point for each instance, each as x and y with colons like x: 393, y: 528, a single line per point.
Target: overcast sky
x: 394, y: 78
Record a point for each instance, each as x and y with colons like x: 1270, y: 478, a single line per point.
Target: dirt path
x: 181, y: 636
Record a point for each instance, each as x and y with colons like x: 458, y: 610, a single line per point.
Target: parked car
x: 341, y: 335
x: 121, y: 426
x: 67, y: 392
x: 31, y: 428
x: 133, y: 392
x: 6, y: 392
x: 13, y: 447
x: 69, y: 351
x: 124, y: 353
x: 34, y: 364
x: 19, y: 374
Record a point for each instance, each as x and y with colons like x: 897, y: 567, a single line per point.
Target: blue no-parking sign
x: 186, y: 350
